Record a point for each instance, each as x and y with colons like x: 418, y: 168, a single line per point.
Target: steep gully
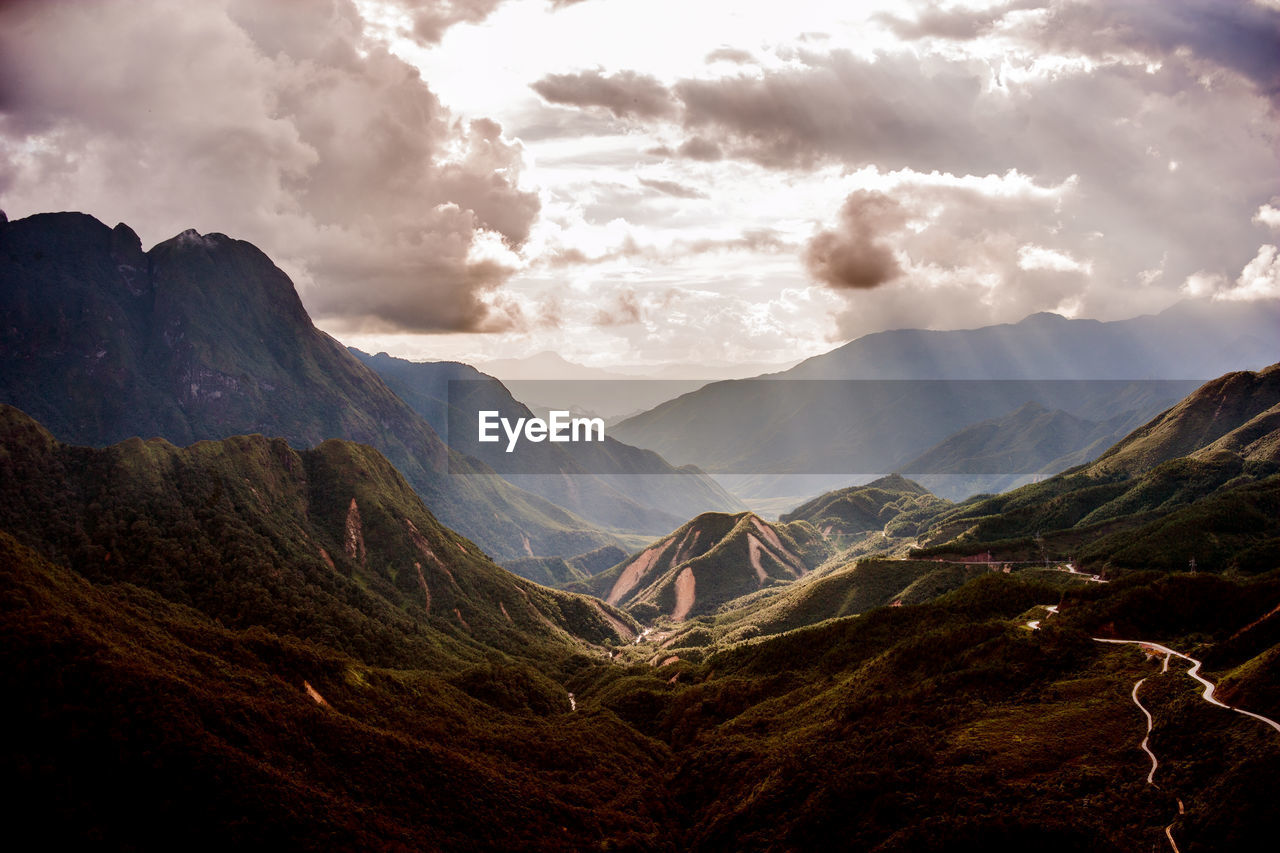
x: 1194, y: 672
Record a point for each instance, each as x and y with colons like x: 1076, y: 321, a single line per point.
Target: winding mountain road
x: 1194, y: 672
x: 1207, y: 695
x: 1146, y: 740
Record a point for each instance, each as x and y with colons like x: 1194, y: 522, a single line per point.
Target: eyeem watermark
x: 558, y: 427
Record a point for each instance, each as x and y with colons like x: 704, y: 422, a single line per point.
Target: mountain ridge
x: 609, y: 483
x: 337, y: 527
x: 204, y: 337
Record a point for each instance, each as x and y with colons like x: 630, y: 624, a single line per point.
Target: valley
x: 256, y: 592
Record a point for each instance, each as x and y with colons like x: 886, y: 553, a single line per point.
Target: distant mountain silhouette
x: 888, y: 401
x: 609, y: 483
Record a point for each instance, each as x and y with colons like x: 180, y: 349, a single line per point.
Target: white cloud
x: 1268, y: 216
x: 1260, y: 279
x: 1033, y: 257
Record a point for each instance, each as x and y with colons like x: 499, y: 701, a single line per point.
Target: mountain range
x: 225, y: 622
x: 914, y: 400
x: 203, y: 337
x: 607, y: 482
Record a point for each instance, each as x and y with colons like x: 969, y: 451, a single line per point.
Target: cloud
x: 1269, y: 216
x: 731, y: 54
x: 625, y: 94
x: 959, y: 251
x: 700, y: 148
x: 1260, y: 279
x: 854, y: 255
x: 624, y: 310
x: 839, y: 107
x: 671, y: 188
x: 279, y: 123
x: 754, y: 240
x: 1166, y: 162
x: 1240, y: 35
x: 431, y: 18
x: 957, y: 23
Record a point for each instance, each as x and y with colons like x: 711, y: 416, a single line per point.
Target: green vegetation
x: 244, y: 644
x: 164, y: 651
x: 713, y: 559
x: 893, y: 504
x: 203, y: 337
x: 1199, y: 482
x: 329, y: 544
x: 558, y: 571
x: 145, y: 723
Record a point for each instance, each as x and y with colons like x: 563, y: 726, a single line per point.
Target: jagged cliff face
x: 203, y: 337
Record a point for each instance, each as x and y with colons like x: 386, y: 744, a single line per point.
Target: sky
x: 651, y: 181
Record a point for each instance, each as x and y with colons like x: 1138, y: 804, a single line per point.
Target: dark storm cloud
x: 854, y: 255
x: 1240, y: 35
x: 625, y: 94
x: 279, y: 123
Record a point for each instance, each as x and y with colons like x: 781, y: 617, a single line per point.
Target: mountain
x: 609, y: 483
x: 544, y: 365
x: 889, y: 502
x: 329, y: 544
x: 712, y: 559
x: 558, y: 571
x: 145, y: 720
x: 885, y: 400
x: 548, y: 381
x: 1030, y: 439
x: 862, y: 427
x: 1236, y: 413
x: 1190, y: 340
x: 203, y: 337
x: 953, y: 725
x: 182, y: 660
x: 1198, y: 481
